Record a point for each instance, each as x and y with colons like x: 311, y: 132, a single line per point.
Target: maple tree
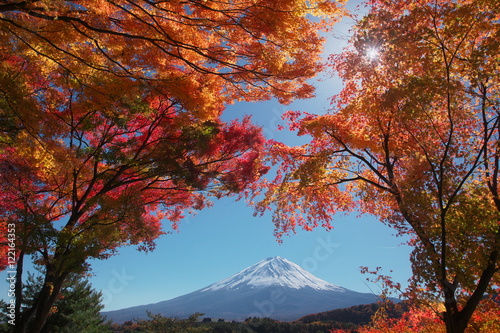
x: 110, y: 117
x: 112, y: 179
x: 4, y: 246
x: 413, y: 139
x: 252, y: 49
x: 425, y: 319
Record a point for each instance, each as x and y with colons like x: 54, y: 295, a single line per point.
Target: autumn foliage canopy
x: 412, y: 138
x: 110, y: 117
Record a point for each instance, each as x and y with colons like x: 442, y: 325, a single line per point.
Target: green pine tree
x: 76, y: 310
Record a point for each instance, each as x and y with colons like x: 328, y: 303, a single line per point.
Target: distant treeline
x: 347, y: 319
x: 251, y: 325
x: 358, y: 315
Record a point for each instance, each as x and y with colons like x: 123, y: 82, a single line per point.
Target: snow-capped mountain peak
x: 274, y: 288
x: 273, y: 271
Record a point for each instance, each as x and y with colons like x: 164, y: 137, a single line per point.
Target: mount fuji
x: 274, y: 288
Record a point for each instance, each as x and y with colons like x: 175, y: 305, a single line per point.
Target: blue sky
x: 226, y: 238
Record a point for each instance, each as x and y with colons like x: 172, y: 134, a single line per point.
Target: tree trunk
x: 455, y: 322
x: 46, y: 299
x: 20, y: 323
x: 32, y: 320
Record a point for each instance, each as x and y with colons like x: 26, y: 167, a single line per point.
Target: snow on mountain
x: 273, y: 271
x: 274, y: 288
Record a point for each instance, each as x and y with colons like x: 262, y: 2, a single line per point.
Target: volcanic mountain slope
x: 274, y: 288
